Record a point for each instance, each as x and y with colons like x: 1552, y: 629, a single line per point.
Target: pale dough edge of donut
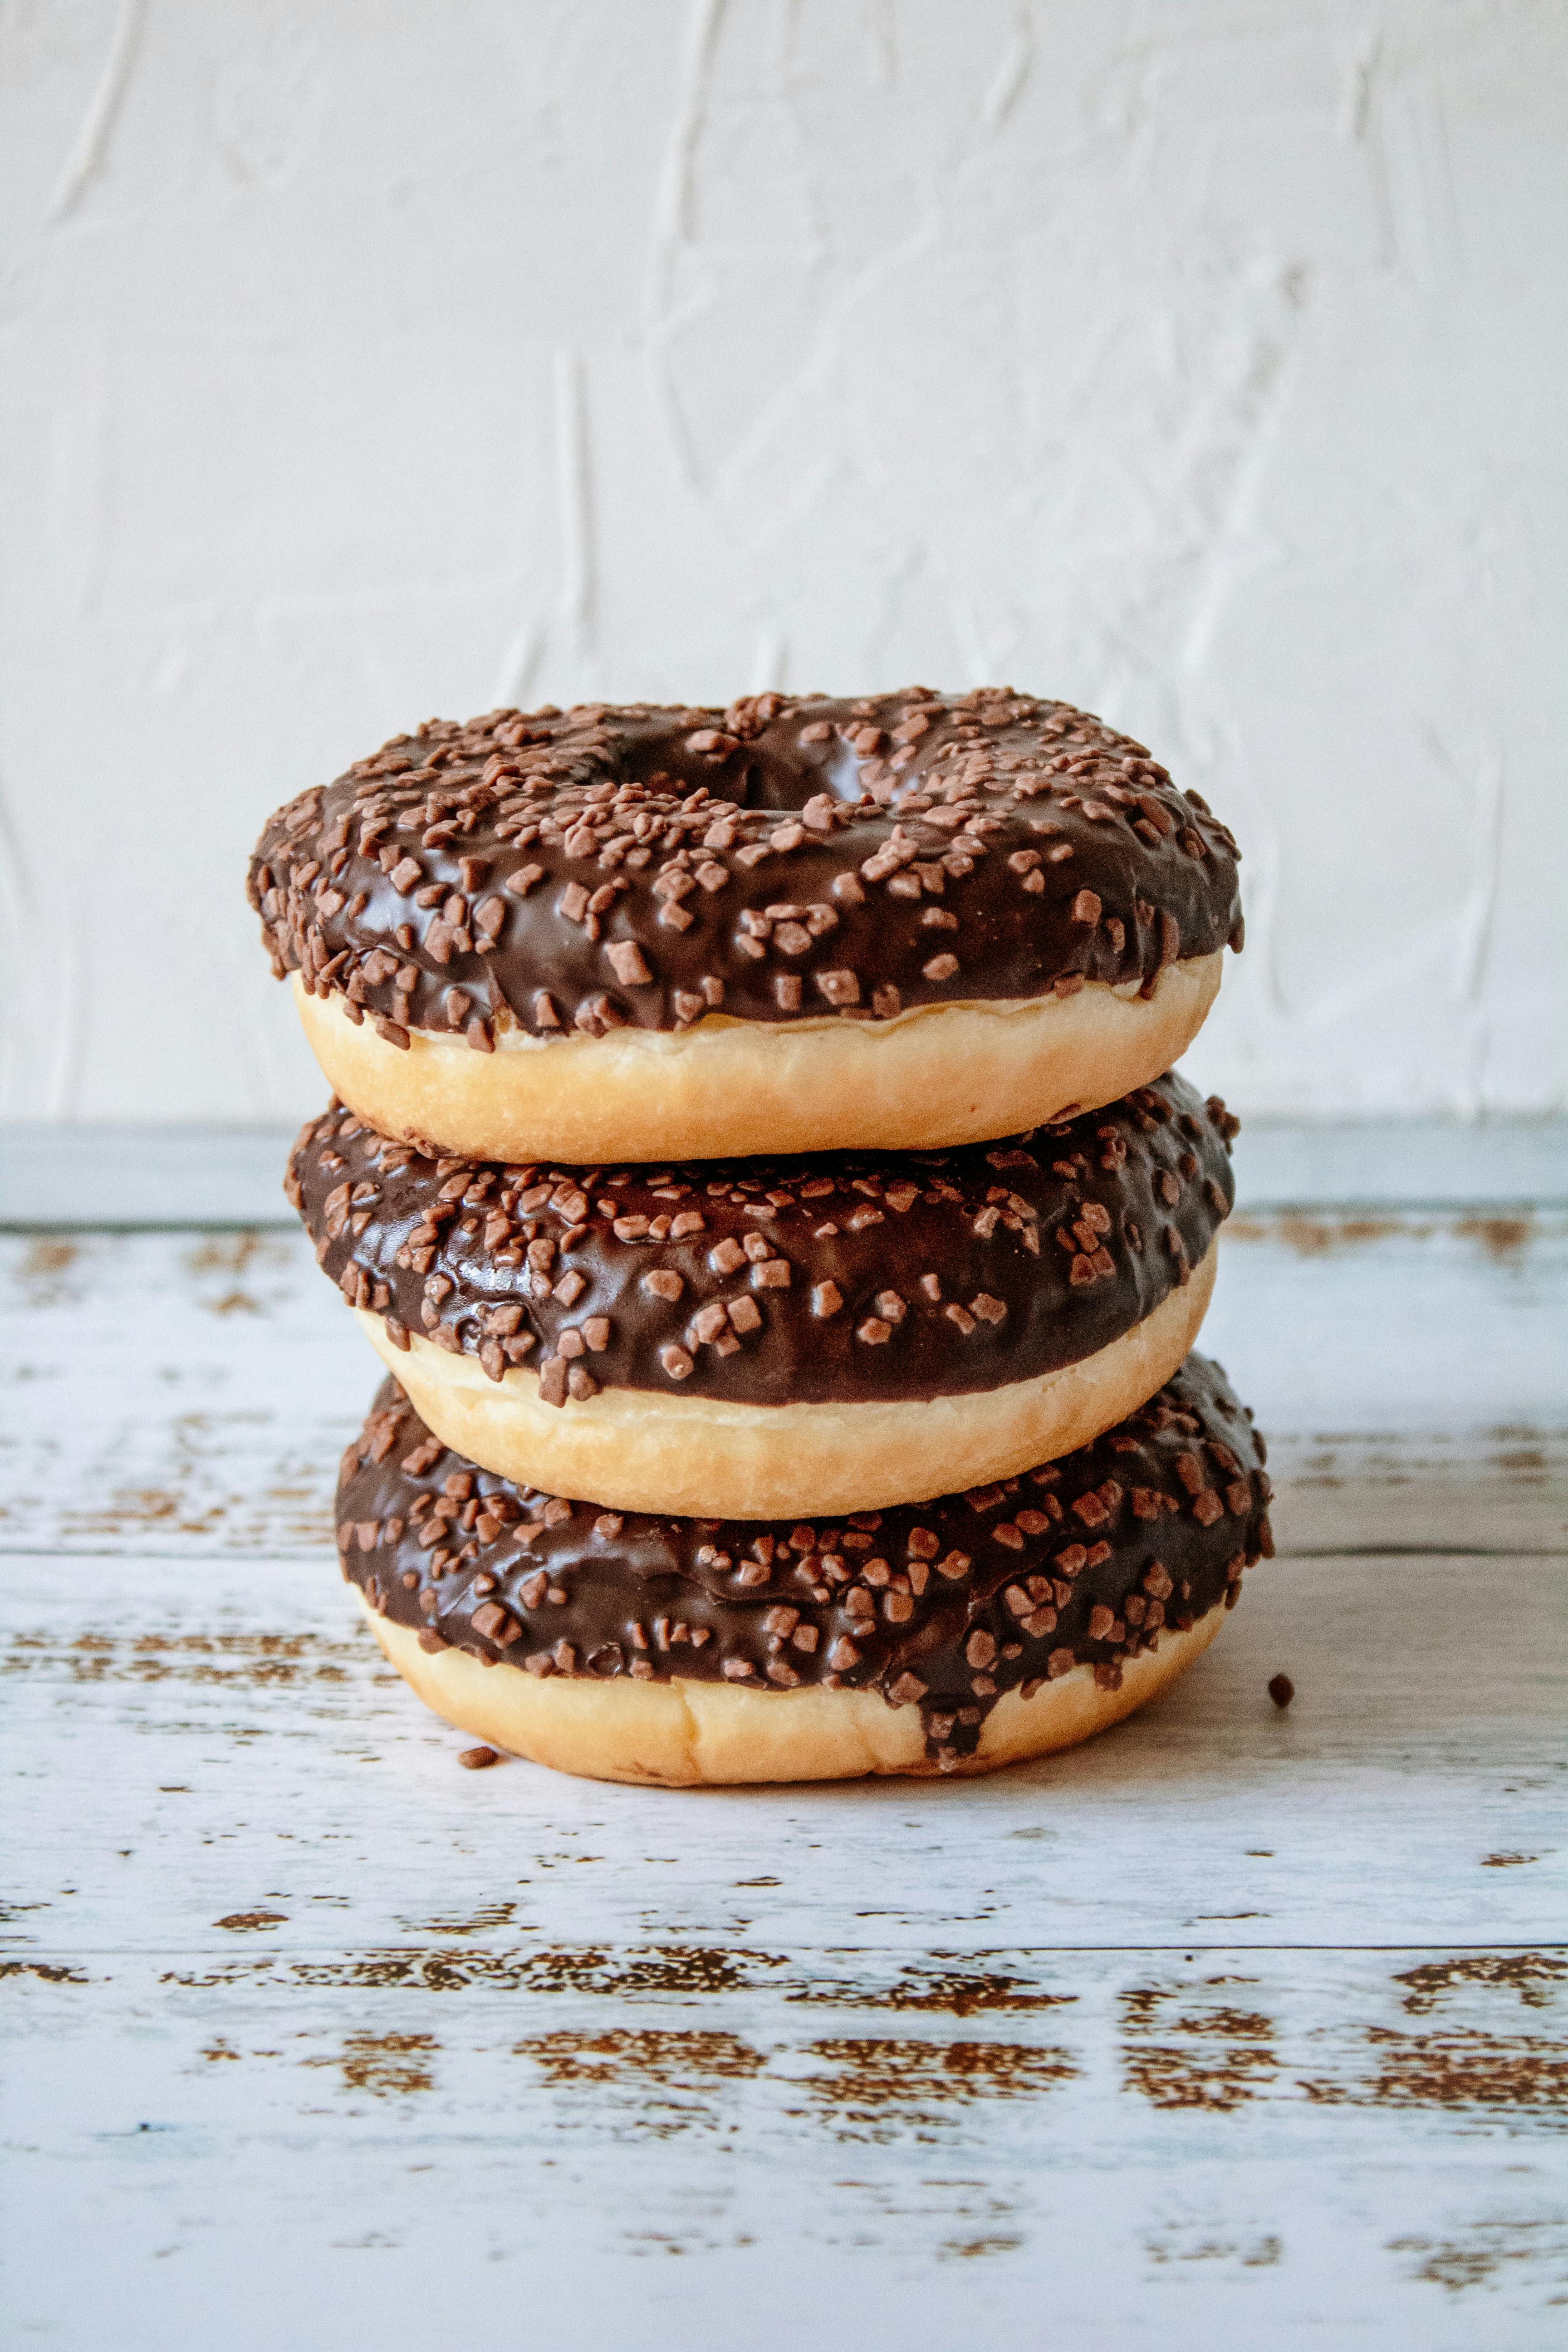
x: 685, y: 1734
x: 633, y: 1449
x: 935, y: 1077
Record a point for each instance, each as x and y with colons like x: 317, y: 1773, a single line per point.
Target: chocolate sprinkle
x: 818, y: 1279
x: 943, y: 1606
x: 578, y: 871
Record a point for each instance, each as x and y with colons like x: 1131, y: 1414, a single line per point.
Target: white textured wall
x: 1203, y: 363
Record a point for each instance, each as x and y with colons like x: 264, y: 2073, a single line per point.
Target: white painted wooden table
x: 1236, y: 2027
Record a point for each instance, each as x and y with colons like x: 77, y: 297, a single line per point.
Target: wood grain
x: 1430, y: 1692
x: 1140, y: 2034
x: 1238, y: 2022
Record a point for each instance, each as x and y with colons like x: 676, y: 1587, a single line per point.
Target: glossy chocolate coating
x: 821, y: 1279
x: 945, y: 1604
x: 780, y: 860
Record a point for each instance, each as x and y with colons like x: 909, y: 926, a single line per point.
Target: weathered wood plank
x: 192, y: 1393
x: 1197, y: 2151
x: 1411, y: 1370
x: 1233, y: 2022
x: 55, y: 1175
x: 291, y: 1989
x: 265, y: 1759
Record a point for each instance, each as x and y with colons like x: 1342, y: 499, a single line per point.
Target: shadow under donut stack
x: 755, y: 1157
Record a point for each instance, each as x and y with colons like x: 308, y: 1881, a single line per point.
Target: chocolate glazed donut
x: 754, y: 1337
x: 950, y: 1636
x: 909, y: 921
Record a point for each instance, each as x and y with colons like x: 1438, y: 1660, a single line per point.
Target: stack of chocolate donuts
x: 755, y: 1158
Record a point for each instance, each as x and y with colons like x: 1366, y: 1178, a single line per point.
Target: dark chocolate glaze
x: 781, y: 859
x: 818, y: 1279
x: 944, y: 1605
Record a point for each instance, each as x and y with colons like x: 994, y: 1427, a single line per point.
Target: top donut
x: 910, y: 921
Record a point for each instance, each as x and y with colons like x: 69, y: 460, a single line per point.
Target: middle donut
x: 753, y: 1338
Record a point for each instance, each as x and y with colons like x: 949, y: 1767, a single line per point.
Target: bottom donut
x: 948, y: 1636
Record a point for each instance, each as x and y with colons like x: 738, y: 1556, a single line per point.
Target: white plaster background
x: 1201, y: 362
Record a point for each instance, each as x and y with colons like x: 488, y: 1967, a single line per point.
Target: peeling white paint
x: 1196, y: 364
